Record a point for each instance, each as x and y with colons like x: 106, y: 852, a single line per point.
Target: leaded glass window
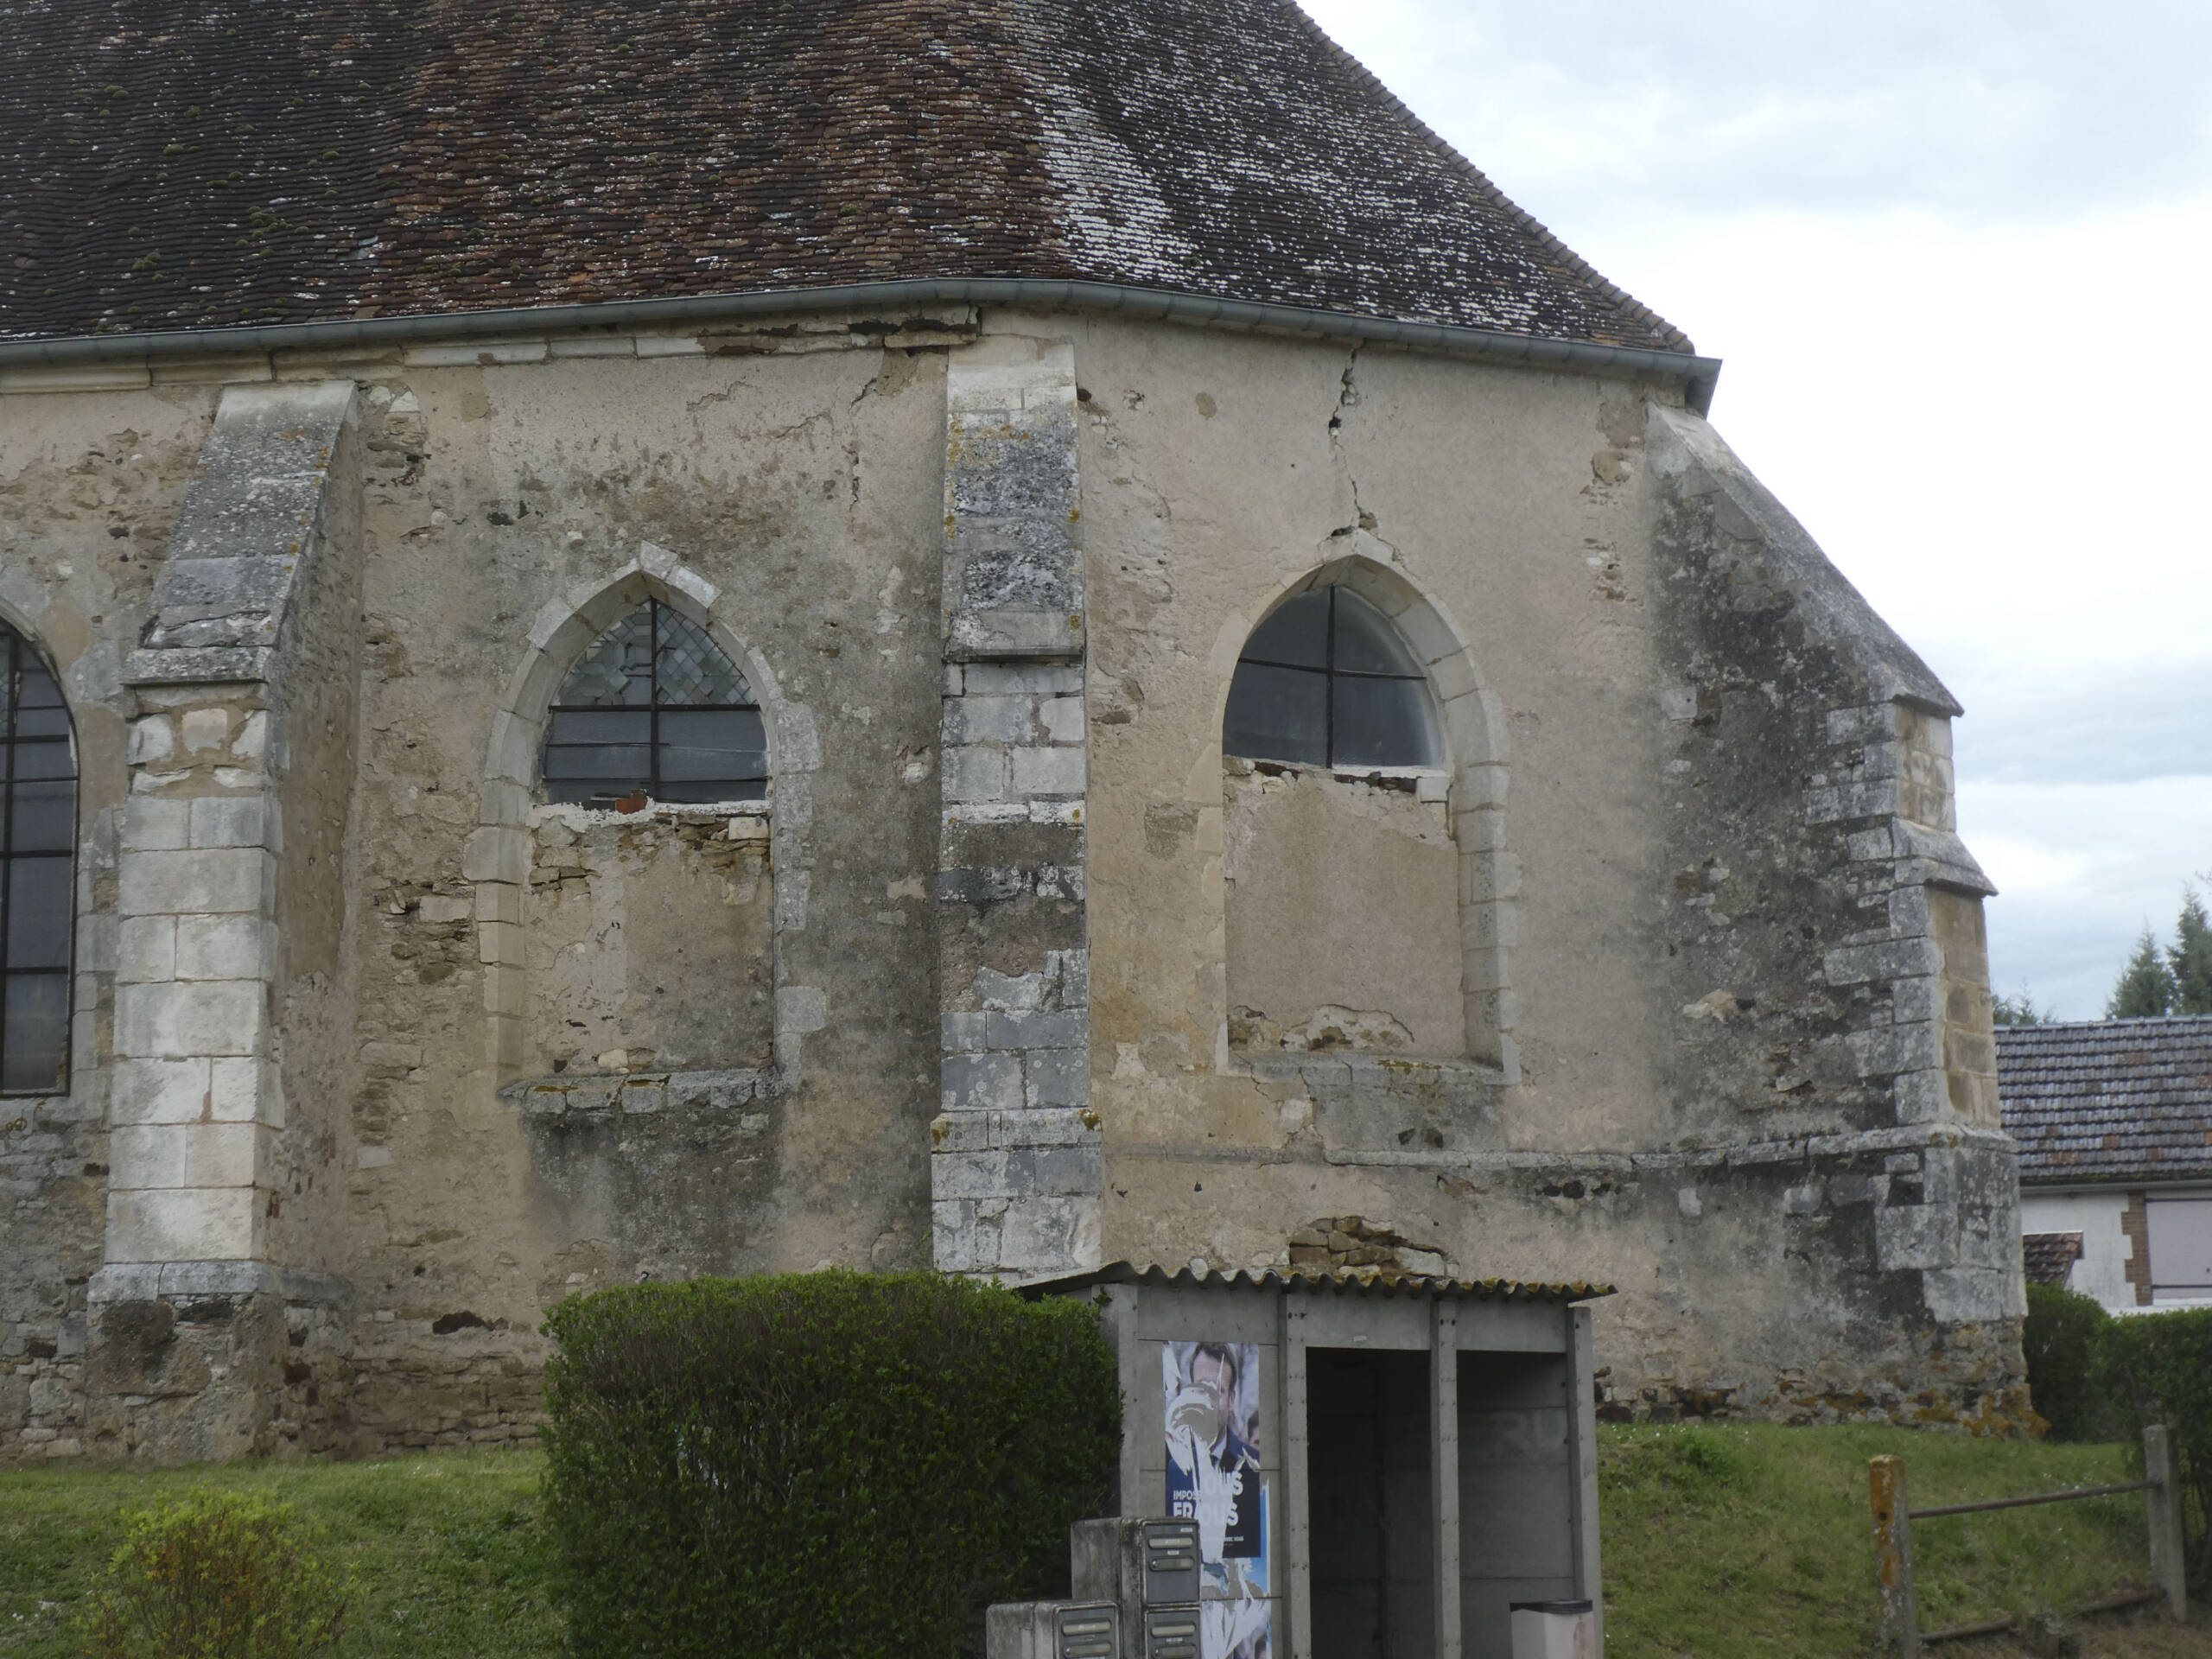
x: 38, y: 844
x: 655, y: 708
x: 1325, y: 681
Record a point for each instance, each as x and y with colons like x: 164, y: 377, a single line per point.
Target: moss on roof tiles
x: 339, y: 158
x: 2110, y: 1100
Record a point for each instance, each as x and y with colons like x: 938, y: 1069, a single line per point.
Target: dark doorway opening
x: 1369, y: 1511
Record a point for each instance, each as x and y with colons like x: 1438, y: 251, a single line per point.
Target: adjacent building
x: 2113, y: 1119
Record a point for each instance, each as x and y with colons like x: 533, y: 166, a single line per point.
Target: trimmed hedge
x: 2157, y: 1368
x: 827, y: 1463
x: 2059, y: 1341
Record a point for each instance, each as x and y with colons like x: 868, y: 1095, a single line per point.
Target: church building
x: 688, y: 637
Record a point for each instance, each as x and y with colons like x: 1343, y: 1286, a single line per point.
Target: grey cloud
x: 1978, y: 109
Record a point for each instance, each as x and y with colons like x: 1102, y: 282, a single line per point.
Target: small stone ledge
x: 582, y: 1094
x: 1337, y: 1069
x: 150, y: 1281
x: 1756, y: 1154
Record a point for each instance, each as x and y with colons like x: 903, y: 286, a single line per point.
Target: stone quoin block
x: 179, y: 1019
x: 215, y: 879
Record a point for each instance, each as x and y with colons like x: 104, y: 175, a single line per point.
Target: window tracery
x: 38, y: 842
x: 655, y: 708
x: 1325, y: 681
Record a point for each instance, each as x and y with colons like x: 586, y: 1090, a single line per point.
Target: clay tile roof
x: 2114, y: 1100
x: 2049, y: 1257
x: 257, y: 161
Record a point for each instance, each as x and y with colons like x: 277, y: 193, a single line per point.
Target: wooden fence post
x: 2168, y: 1564
x: 1893, y: 1556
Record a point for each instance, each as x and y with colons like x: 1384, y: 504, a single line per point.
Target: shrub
x: 2157, y: 1367
x: 828, y: 1464
x: 217, y: 1575
x: 2059, y: 1341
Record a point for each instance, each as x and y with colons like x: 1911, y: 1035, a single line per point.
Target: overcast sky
x: 1955, y: 258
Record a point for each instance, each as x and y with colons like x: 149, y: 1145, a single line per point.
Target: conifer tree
x: 2147, y: 984
x: 2189, y: 958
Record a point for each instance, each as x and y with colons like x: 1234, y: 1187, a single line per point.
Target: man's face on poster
x: 1218, y: 1376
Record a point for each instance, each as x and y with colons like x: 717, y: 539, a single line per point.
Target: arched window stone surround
x: 499, y: 854
x: 1473, y: 721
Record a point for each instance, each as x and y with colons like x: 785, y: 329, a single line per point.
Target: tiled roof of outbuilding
x: 2114, y: 1100
x: 2050, y: 1257
x: 301, y: 161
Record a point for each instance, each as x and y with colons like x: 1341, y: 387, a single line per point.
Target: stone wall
x: 1693, y: 993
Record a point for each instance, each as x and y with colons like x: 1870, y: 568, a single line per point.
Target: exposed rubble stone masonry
x: 378, y: 1054
x: 1015, y: 1174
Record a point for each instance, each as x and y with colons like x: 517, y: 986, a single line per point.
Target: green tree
x: 2189, y: 958
x: 2147, y: 984
x: 2018, y: 1009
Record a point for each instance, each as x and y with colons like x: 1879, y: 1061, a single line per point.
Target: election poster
x: 1212, y: 1395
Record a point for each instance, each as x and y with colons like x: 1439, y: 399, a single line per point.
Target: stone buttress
x: 228, y: 1010
x: 1015, y: 1171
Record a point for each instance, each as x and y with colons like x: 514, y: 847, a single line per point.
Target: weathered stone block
x: 1915, y: 1236
x: 222, y: 947
x: 153, y: 739
x: 146, y: 1155
x: 1860, y: 964
x: 158, y: 1091
x: 974, y: 773
x: 1064, y: 720
x: 1048, y: 772
x: 1063, y: 1171
x: 205, y: 881
x: 181, y: 1225
x: 146, y: 949
x: 970, y: 1175
x: 177, y: 1019
x: 1036, y: 1029
x: 990, y: 720
x: 1974, y: 1295
x: 233, y: 821
x: 497, y: 853
x: 155, y: 823
x: 1058, y: 1077
x: 1033, y: 679
x: 965, y: 1033
x: 981, y: 1082
x: 1045, y: 1235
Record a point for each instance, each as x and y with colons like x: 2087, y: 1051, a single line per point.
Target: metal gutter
x: 1698, y: 374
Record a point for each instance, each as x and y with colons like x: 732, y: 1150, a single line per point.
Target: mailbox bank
x: 1364, y: 1465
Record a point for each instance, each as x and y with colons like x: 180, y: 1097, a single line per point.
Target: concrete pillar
x: 1015, y: 1171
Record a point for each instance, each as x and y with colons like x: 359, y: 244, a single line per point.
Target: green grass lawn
x: 1720, y: 1543
x: 1756, y: 1543
x: 450, y: 1557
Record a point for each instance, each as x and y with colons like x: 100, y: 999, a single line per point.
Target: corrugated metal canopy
x: 1365, y: 1281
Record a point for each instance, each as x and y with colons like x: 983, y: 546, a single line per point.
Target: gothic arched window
x: 38, y: 842
x: 1325, y: 681
x: 655, y: 708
